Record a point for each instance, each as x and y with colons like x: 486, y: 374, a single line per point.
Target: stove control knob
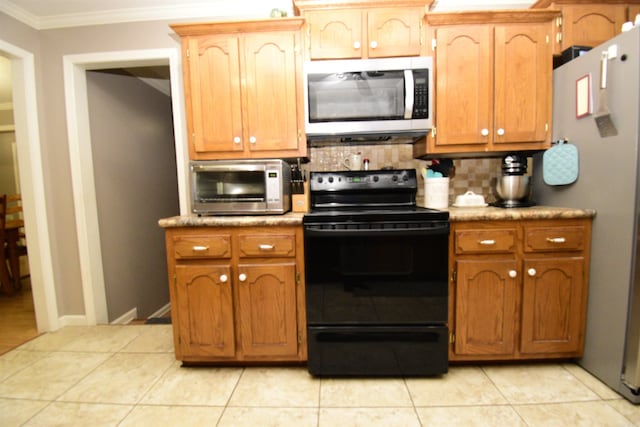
x: 394, y: 178
x: 319, y: 180
x: 330, y: 179
x: 375, y: 178
x: 405, y: 177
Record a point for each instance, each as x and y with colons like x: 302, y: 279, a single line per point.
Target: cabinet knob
x: 373, y: 44
x: 242, y: 277
x: 484, y: 132
x: 500, y: 131
x: 252, y: 139
x: 223, y: 278
x: 356, y: 45
x: 531, y: 272
x: 513, y: 274
x: 237, y: 140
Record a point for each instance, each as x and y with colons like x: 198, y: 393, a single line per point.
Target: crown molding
x: 195, y: 10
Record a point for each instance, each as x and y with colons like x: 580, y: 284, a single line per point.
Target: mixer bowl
x: 513, y: 187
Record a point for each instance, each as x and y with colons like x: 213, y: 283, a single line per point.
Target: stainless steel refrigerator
x: 608, y: 181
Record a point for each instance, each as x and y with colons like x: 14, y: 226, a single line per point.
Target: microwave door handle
x: 409, y: 92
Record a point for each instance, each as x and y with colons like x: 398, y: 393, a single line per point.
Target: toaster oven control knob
x: 484, y: 132
x: 513, y: 274
x: 394, y: 178
x: 223, y: 278
x: 237, y: 140
x: 500, y: 131
x: 330, y: 179
x: 373, y: 44
x: 376, y: 178
x: 242, y: 277
x: 252, y: 139
x: 356, y: 45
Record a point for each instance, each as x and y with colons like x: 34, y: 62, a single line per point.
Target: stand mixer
x: 513, y: 187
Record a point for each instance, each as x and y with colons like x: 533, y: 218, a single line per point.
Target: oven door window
x: 376, y: 279
x: 369, y: 95
x: 230, y: 186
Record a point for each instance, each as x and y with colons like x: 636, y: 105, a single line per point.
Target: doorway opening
x: 86, y: 201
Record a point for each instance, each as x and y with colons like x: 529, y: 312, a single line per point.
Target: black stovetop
x: 376, y: 195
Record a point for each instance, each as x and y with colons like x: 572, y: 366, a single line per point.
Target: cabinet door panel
x: 267, y: 309
x: 335, y: 34
x: 205, y: 310
x: 523, y: 83
x: 552, y: 305
x: 591, y: 24
x: 464, y: 84
x: 214, y: 94
x: 271, y: 91
x: 394, y: 32
x: 485, y: 307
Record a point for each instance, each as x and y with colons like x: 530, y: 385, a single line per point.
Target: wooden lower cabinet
x: 518, y: 289
x: 237, y: 294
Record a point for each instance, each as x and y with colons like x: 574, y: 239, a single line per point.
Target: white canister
x: 436, y: 193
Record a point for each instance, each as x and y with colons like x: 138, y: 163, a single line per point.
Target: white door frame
x: 32, y: 185
x: 82, y: 175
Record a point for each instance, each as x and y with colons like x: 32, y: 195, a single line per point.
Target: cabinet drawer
x: 485, y: 241
x: 185, y: 247
x: 538, y: 239
x: 267, y: 245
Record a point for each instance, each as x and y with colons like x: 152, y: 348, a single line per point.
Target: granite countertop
x: 488, y: 213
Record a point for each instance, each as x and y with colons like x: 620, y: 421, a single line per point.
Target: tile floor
x: 127, y: 376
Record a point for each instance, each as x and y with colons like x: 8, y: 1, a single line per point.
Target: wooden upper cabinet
x: 243, y: 89
x: 523, y: 80
x: 359, y: 29
x: 464, y: 85
x: 588, y: 23
x: 492, y: 82
x: 591, y: 24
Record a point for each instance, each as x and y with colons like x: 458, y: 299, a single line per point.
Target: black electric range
x: 376, y: 268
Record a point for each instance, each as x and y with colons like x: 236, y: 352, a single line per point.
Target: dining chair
x: 16, y: 245
x: 6, y: 282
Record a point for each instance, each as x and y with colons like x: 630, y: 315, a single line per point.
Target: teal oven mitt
x: 560, y: 164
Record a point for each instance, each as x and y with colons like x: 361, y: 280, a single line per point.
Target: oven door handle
x: 439, y: 230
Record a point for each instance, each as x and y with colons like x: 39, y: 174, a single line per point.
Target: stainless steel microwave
x: 368, y: 97
x: 240, y: 187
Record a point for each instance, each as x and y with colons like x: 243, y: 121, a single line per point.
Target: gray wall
x: 49, y: 47
x: 136, y: 183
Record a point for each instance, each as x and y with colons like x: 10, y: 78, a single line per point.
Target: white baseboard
x: 127, y: 317
x: 162, y: 311
x: 73, y: 320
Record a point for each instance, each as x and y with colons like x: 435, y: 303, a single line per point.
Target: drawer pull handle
x: 199, y: 248
x: 556, y: 239
x: 487, y: 242
x: 266, y: 247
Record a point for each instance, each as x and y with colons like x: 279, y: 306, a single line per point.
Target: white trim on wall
x: 82, y: 175
x: 32, y: 183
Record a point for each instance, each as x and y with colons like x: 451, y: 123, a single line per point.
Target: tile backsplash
x: 477, y: 175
